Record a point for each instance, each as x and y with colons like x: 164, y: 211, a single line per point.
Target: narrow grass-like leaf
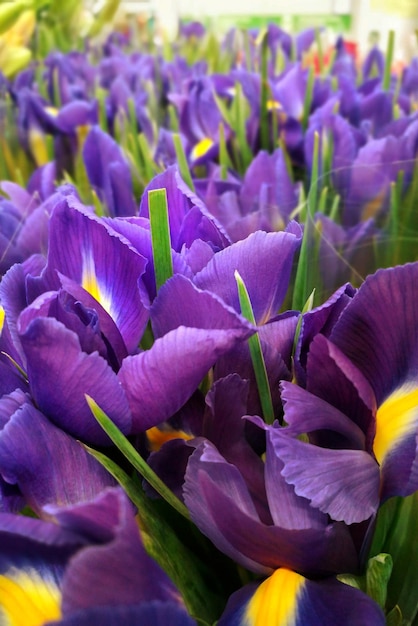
x: 304, y: 281
x: 307, y: 307
x: 264, y: 114
x: 150, y: 168
x: 395, y: 534
x: 256, y: 353
x: 388, y: 60
x: 240, y: 107
x: 135, y: 458
x: 224, y: 160
x: 160, y: 236
x: 307, y: 102
x: 182, y: 162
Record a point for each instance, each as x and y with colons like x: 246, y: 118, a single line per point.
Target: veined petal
x: 159, y: 381
x: 264, y: 261
x: 288, y: 599
x: 88, y: 251
x: 343, y: 483
x: 180, y: 303
x: 70, y: 476
x: 60, y: 375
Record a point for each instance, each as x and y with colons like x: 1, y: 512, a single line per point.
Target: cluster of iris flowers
x: 209, y: 391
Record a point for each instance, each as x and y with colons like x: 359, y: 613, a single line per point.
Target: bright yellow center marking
x: 26, y: 599
x: 396, y: 418
x: 157, y: 437
x: 201, y: 148
x: 38, y: 146
x: 275, y: 601
x: 90, y: 283
x: 273, y: 105
x: 52, y: 111
x: 2, y: 318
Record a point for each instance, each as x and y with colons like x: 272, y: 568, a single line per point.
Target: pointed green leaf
x: 160, y: 236
x: 256, y: 353
x: 135, y: 458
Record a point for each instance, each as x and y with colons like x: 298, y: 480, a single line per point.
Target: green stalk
x: 303, y: 281
x: 182, y: 162
x: 160, y: 236
x: 256, y: 353
x: 388, y: 60
x: 136, y: 460
x: 308, y: 99
x: 264, y: 121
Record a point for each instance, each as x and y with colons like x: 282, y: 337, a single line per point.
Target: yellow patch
x: 2, y: 318
x: 273, y: 105
x: 201, y: 148
x: 275, y: 601
x: 90, y: 283
x: 52, y: 111
x: 157, y: 436
x: 26, y: 599
x: 396, y: 418
x: 38, y: 146
x: 372, y: 208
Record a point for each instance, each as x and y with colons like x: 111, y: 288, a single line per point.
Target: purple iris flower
x: 199, y: 119
x: 359, y: 407
x: 291, y: 598
x: 373, y: 64
x: 109, y: 173
x: 89, y: 566
x: 264, y: 200
x: 73, y: 321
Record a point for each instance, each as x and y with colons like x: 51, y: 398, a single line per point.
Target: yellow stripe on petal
x: 90, y: 283
x: 275, y: 601
x: 26, y: 599
x: 38, y: 146
x: 396, y: 418
x: 201, y: 148
x: 2, y: 318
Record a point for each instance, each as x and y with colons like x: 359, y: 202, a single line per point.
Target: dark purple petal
x: 48, y: 466
x: 153, y: 613
x: 334, y: 378
x: 60, y: 376
x: 116, y: 572
x: 379, y: 329
x: 306, y: 413
x: 220, y: 505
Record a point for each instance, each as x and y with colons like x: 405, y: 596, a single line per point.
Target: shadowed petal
x: 47, y: 464
x: 60, y: 375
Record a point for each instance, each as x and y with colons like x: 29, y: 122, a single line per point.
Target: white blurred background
x: 358, y: 20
